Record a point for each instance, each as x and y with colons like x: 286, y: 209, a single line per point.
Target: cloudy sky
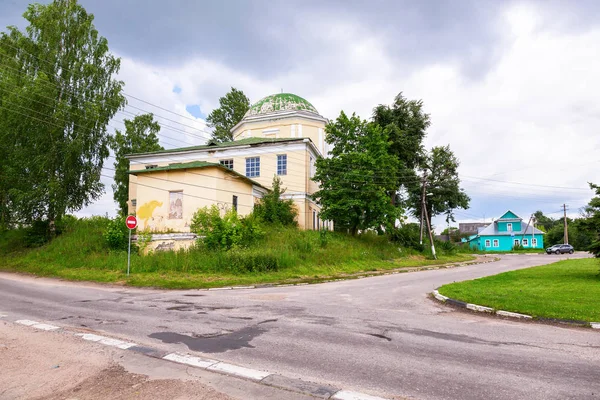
x: 512, y: 86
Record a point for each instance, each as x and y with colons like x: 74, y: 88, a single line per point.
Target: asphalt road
x: 380, y: 335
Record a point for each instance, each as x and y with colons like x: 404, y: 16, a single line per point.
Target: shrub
x: 273, y: 209
x: 446, y: 247
x: 408, y: 235
x: 116, y: 234
x: 216, y: 232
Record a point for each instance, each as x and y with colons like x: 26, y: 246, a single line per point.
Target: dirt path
x: 43, y: 365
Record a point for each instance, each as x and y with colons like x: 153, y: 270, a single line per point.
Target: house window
x: 516, y: 242
x: 488, y: 243
x: 282, y: 164
x: 312, y: 166
x: 176, y: 205
x: 496, y: 243
x: 525, y: 242
x: 534, y: 242
x: 235, y: 203
x: 227, y: 163
x: 314, y: 220
x: 509, y: 227
x: 253, y: 166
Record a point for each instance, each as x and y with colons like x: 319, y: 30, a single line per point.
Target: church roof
x: 280, y: 102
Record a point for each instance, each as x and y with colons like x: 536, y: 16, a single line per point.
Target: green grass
x: 81, y: 253
x: 567, y: 289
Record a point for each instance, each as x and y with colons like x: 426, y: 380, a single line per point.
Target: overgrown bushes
x: 272, y: 209
x: 218, y: 232
x: 116, y: 234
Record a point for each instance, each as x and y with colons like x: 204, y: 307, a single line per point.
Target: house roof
x: 195, y: 165
x: 253, y: 141
x: 492, y: 230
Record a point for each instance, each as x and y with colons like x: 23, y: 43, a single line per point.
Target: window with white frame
x: 496, y: 243
x: 227, y: 163
x: 534, y: 242
x: 253, y: 166
x: 516, y: 242
x: 509, y: 227
x: 488, y: 243
x: 525, y: 242
x: 282, y: 164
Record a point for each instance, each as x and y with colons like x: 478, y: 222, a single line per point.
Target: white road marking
x: 190, y: 360
x: 106, y: 340
x: 37, y: 325
x: 348, y: 395
x: 45, y: 327
x: 239, y: 371
x: 3, y: 315
x: 26, y: 322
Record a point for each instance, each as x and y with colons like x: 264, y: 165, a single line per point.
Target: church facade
x: 281, y: 135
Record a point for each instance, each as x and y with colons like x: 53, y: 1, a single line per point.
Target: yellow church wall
x: 284, y: 128
x: 201, y: 187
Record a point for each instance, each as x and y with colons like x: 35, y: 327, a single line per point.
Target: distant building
x: 506, y: 233
x: 471, y: 227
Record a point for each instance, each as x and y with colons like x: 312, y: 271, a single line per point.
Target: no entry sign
x: 131, y: 222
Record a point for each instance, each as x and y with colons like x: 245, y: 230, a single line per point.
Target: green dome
x: 280, y: 102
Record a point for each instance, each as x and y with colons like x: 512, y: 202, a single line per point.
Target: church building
x: 280, y: 135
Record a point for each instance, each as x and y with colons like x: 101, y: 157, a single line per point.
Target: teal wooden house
x: 507, y: 232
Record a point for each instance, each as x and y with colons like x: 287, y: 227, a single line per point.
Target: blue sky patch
x: 176, y: 89
x: 194, y: 109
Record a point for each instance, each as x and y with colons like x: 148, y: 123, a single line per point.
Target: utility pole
x: 430, y: 234
x: 566, y: 227
x: 423, y: 184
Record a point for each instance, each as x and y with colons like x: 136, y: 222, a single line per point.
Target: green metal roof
x: 280, y: 102
x: 194, y: 165
x: 222, y: 145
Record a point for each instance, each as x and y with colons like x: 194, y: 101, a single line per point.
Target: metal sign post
x: 131, y: 222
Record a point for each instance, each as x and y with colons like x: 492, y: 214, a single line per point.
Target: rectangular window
x: 282, y: 164
x: 312, y: 166
x: 235, y: 204
x: 253, y: 166
x: 516, y: 242
x: 525, y: 242
x: 176, y: 205
x: 496, y: 243
x: 509, y: 227
x: 534, y: 242
x: 227, y: 163
x: 488, y: 243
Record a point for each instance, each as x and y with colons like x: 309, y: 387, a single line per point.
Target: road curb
x: 508, y: 314
x: 262, y: 377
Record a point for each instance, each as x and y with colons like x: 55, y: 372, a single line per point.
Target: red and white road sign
x: 131, y: 222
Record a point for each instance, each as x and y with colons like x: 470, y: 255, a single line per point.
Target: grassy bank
x: 567, y: 289
x: 283, y: 255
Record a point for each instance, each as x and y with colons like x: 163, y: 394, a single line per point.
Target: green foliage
x: 323, y: 238
x: 286, y: 254
x: 272, y: 209
x: 232, y: 108
x: 356, y: 198
x: 446, y: 247
x: 254, y: 260
x: 57, y: 95
x: 407, y: 235
x: 141, y: 135
x: 116, y: 234
x: 517, y: 247
x: 444, y: 194
x: 218, y: 232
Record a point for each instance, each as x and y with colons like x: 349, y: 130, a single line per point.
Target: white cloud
x: 531, y: 118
